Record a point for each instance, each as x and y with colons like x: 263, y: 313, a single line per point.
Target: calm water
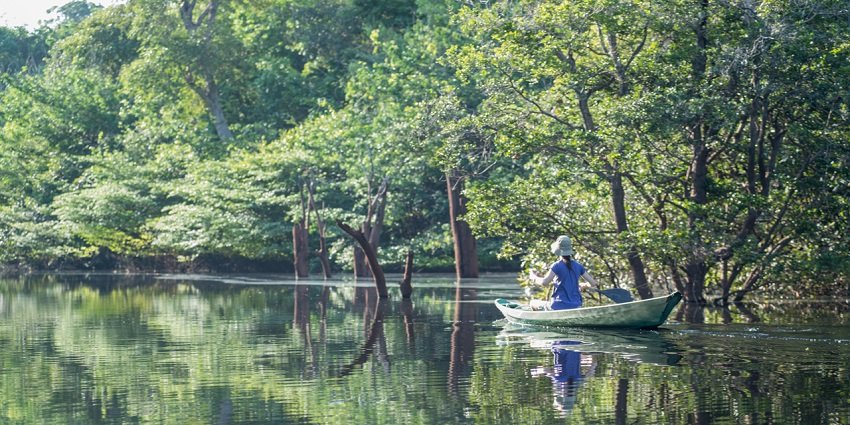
x: 212, y: 350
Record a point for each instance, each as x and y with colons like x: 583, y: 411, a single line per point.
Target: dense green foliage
x: 697, y: 144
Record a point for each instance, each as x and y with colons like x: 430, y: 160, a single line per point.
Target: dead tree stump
x: 406, y: 288
x: 371, y: 257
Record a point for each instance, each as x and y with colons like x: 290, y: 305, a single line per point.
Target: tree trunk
x: 361, y: 269
x: 208, y: 89
x: 371, y: 257
x: 696, y: 267
x: 406, y: 288
x: 322, y: 253
x: 213, y: 101
x: 300, y: 244
x: 466, y: 257
x: 372, y: 232
x: 618, y: 197
x: 677, y: 277
x: 618, y: 203
x: 300, y: 250
x: 695, y: 287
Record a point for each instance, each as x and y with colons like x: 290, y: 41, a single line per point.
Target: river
x: 184, y: 349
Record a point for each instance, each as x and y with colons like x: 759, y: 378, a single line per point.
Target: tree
x: 19, y: 50
x: 663, y: 103
x: 553, y: 70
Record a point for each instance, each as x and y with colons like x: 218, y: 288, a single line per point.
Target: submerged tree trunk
x: 361, y: 269
x: 300, y: 247
x: 466, y: 257
x: 371, y: 257
x: 300, y: 251
x: 404, y: 285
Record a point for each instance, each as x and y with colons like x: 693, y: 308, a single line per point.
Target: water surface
x: 181, y: 349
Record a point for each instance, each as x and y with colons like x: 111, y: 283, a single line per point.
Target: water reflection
x: 834, y: 312
x: 375, y: 341
x: 93, y: 349
x: 568, y: 371
x: 463, y: 335
x: 643, y: 346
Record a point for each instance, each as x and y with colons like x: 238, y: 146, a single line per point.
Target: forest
x: 696, y: 145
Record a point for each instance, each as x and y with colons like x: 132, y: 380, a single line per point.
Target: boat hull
x: 641, y: 314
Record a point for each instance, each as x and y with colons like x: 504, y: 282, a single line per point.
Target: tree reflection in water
x: 374, y: 332
x: 78, y: 349
x: 463, y: 335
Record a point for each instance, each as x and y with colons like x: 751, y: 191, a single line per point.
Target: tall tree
x: 692, y: 112
x: 552, y: 68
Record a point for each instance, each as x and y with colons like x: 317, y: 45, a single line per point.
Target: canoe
x: 641, y: 346
x: 642, y: 314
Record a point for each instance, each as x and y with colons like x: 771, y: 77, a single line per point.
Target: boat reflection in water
x: 576, y: 353
x: 642, y: 346
x: 567, y: 373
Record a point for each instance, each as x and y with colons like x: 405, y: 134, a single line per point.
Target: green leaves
x: 708, y: 130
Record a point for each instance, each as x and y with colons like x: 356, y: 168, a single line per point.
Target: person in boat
x: 564, y: 274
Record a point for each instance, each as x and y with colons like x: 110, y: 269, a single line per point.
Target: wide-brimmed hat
x: 563, y: 246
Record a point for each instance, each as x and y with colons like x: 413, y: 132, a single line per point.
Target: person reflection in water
x: 566, y: 374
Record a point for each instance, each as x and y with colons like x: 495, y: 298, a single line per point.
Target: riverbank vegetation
x: 698, y: 145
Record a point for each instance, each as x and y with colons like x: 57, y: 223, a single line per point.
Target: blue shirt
x: 567, y: 294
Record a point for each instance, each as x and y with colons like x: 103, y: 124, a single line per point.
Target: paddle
x: 618, y: 295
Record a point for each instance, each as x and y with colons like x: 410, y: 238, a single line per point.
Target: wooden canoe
x: 641, y: 314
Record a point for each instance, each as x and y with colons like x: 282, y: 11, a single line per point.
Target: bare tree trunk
x: 361, y: 269
x: 378, y: 226
x: 300, y: 246
x: 466, y: 257
x: 376, y: 208
x: 213, y: 101
x: 406, y: 288
x: 371, y: 257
